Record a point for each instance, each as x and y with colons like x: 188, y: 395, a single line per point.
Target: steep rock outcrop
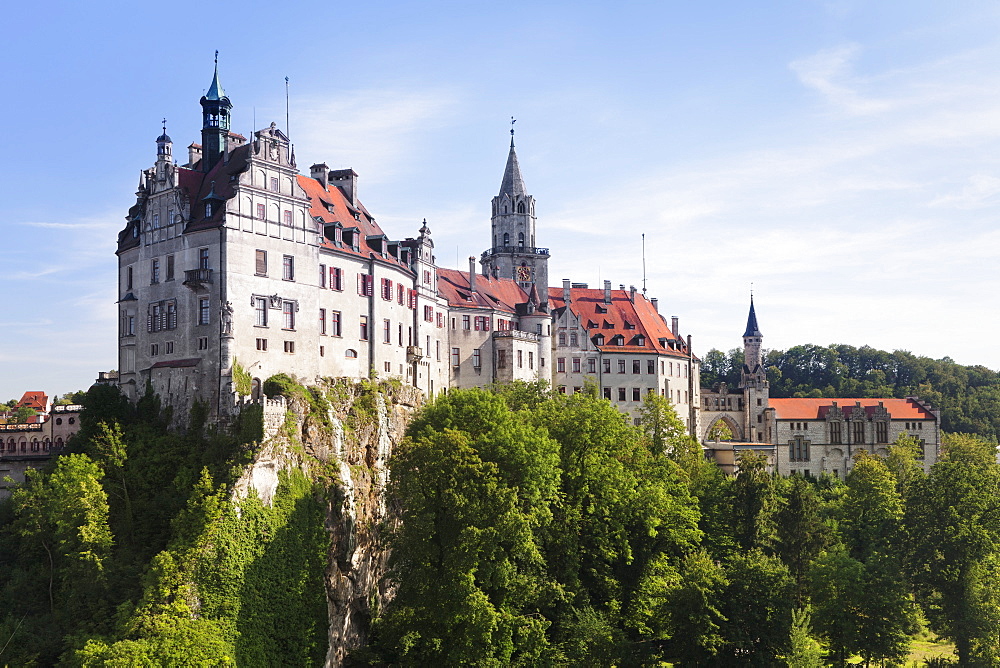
x: 347, y: 440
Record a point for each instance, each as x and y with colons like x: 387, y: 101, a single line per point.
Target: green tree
x: 902, y: 462
x: 754, y: 503
x: 802, y: 533
x: 804, y: 651
x: 757, y: 605
x: 22, y: 414
x: 692, y: 621
x: 836, y: 582
x: 872, y: 512
x: 465, y: 558
x: 64, y: 515
x: 953, y: 525
x: 660, y: 425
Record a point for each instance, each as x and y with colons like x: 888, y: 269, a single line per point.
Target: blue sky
x: 841, y: 156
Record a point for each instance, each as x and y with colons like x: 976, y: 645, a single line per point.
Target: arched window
x: 351, y: 353
x: 506, y: 239
x: 520, y: 207
x: 520, y: 238
x: 59, y: 443
x: 11, y: 446
x: 34, y: 445
x: 46, y: 444
x: 24, y: 445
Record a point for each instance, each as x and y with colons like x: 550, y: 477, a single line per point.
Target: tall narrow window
x: 288, y: 268
x: 336, y: 278
x: 170, y: 267
x: 322, y: 276
x: 261, y: 211
x: 204, y: 315
x: 455, y: 356
x: 859, y: 432
x: 835, y: 437
x: 288, y: 313
x: 203, y: 258
x: 322, y: 321
x: 386, y: 331
x: 261, y: 262
x: 128, y: 278
x: 334, y: 323
x: 274, y: 184
x: 363, y: 334
x: 476, y: 359
x: 288, y: 218
x: 154, y: 272
x: 881, y: 432
x: 260, y: 311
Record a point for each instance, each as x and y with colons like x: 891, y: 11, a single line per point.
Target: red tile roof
x: 36, y: 400
x: 622, y: 317
x: 491, y: 293
x: 817, y: 409
x: 343, y: 213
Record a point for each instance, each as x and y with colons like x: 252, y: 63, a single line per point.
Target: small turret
x: 164, y: 146
x: 216, y: 117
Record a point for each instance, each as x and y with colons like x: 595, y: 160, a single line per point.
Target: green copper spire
x: 215, y: 91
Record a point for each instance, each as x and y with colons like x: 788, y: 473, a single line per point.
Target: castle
x: 808, y: 436
x: 235, y: 262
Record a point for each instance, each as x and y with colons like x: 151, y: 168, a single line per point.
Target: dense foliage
x: 534, y: 528
x: 130, y: 551
x: 968, y: 396
x: 542, y: 529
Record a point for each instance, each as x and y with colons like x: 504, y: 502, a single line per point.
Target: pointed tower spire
x: 513, y: 183
x: 752, y: 328
x: 216, y: 109
x: 215, y: 91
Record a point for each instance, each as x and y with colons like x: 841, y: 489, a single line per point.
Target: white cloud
x: 371, y: 131
x: 829, y: 73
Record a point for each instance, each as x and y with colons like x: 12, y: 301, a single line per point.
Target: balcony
x: 414, y: 354
x: 515, y: 334
x: 196, y: 278
x: 520, y: 250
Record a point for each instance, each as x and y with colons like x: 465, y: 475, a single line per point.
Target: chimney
x: 347, y: 181
x: 194, y: 154
x: 607, y: 292
x: 674, y: 326
x: 472, y: 273
x: 631, y: 293
x: 566, y: 294
x: 656, y: 304
x: 321, y: 173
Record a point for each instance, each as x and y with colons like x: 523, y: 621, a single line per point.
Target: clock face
x: 523, y: 274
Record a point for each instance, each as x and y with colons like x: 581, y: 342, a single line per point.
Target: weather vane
x: 216, y: 56
x: 164, y: 125
x: 512, y: 121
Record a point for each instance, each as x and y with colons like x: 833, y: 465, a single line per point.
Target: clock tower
x: 514, y: 253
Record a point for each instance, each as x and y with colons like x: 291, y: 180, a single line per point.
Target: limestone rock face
x: 349, y: 445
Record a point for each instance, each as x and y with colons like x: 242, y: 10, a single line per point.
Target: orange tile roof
x: 809, y: 408
x: 501, y: 294
x: 343, y: 213
x: 36, y: 400
x: 622, y: 317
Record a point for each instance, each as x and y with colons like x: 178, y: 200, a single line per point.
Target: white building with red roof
x: 809, y: 436
x: 236, y: 259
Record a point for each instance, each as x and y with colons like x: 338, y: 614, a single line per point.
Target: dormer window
x: 599, y: 340
x: 640, y: 340
x: 601, y: 309
x: 208, y: 209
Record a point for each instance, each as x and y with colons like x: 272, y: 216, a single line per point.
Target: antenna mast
x: 287, y: 128
x: 643, y: 265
